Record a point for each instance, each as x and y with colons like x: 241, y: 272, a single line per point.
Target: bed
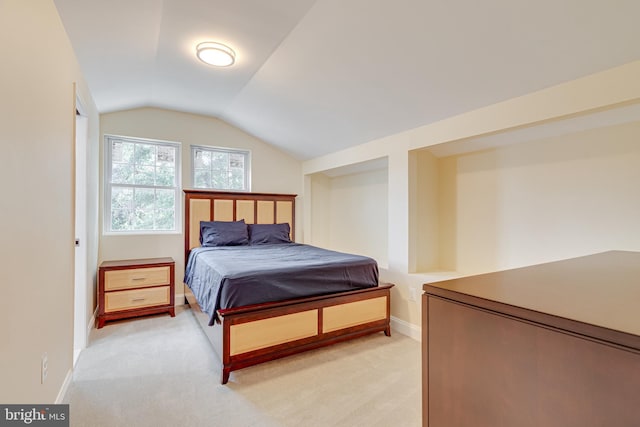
x: 245, y: 331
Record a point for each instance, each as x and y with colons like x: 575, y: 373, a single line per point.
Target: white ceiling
x: 313, y: 77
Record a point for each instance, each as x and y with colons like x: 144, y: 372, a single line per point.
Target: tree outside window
x: 142, y: 185
x: 221, y: 168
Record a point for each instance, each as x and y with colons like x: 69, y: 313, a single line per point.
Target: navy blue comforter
x: 233, y: 276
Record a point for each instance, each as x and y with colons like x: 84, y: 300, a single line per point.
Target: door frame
x: 80, y: 321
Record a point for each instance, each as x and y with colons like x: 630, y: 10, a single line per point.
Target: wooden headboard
x: 254, y: 208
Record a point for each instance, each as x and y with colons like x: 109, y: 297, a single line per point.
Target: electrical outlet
x: 44, y: 367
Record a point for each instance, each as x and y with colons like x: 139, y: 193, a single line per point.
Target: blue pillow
x: 223, y: 233
x: 269, y: 233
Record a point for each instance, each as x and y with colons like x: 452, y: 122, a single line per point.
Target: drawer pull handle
x: 138, y: 278
x: 137, y: 299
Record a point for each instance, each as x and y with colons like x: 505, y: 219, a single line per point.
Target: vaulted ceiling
x: 312, y: 77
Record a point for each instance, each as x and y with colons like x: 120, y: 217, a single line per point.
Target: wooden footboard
x: 254, y: 334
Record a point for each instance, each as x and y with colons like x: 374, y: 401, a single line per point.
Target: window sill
x: 140, y: 233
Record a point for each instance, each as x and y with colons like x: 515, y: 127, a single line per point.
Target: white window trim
x: 247, y: 166
x: 106, y: 209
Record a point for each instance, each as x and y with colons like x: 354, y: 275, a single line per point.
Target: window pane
x: 236, y: 180
x: 145, y: 206
x: 202, y: 159
x: 219, y: 160
x: 220, y: 179
x: 236, y: 160
x: 121, y: 198
x: 144, y: 219
x: 165, y: 219
x: 121, y: 219
x: 145, y: 154
x: 145, y: 198
x: 166, y: 155
x: 165, y: 175
x: 165, y: 199
x: 202, y: 178
x: 145, y: 175
x: 122, y: 152
x: 122, y: 174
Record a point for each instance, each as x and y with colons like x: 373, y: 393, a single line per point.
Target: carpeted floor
x: 161, y: 371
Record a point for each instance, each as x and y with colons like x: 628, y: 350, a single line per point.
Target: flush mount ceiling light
x: 215, y: 54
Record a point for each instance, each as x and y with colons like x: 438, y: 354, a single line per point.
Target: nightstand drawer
x: 136, y: 278
x: 137, y: 298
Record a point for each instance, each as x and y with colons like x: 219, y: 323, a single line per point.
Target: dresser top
x: 602, y: 290
x: 146, y: 262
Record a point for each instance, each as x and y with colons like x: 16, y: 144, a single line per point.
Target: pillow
x: 269, y: 233
x: 223, y: 233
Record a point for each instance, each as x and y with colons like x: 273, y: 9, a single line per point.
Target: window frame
x: 216, y: 149
x: 108, y: 185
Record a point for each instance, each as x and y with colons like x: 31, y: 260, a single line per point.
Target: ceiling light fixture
x: 215, y: 54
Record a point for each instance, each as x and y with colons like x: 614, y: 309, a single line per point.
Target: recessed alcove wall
x: 526, y: 203
x: 349, y: 210
x: 432, y: 213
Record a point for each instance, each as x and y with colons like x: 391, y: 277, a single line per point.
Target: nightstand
x: 135, y: 287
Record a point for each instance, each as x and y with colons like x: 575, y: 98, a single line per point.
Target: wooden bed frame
x: 249, y: 335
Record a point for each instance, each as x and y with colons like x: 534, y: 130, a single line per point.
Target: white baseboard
x: 76, y: 354
x: 65, y: 386
x: 179, y: 300
x: 90, y: 325
x: 406, y: 328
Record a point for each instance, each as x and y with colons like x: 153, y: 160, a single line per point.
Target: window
x: 220, y: 168
x: 142, y: 184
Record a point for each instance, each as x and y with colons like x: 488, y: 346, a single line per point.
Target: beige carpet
x: 161, y: 371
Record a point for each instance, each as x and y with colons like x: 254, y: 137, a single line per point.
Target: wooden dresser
x: 135, y: 287
x: 555, y: 344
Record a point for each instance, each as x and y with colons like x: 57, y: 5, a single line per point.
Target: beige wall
x: 547, y: 200
x: 424, y: 236
x: 317, y: 212
x: 353, y: 209
x: 529, y: 203
x: 481, y: 199
x: 37, y: 133
x: 272, y: 171
x: 92, y: 207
